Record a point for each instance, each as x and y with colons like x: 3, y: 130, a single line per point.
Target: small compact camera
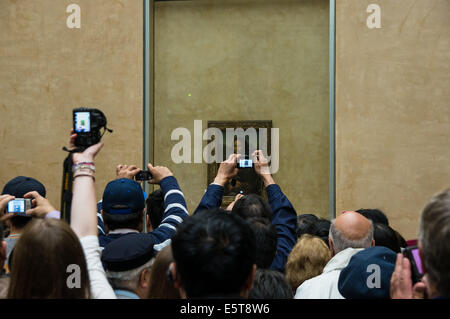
x: 412, y: 253
x: 19, y: 206
x: 87, y: 124
x: 245, y: 163
x: 143, y: 176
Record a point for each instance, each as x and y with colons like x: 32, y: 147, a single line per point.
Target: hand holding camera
x: 143, y: 176
x: 41, y: 206
x: 4, y: 201
x: 227, y: 170
x: 87, y: 123
x: 125, y: 171
x: 262, y: 168
x: 88, y: 154
x: 158, y: 173
x: 33, y: 205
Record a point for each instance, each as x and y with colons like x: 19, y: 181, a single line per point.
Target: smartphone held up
x: 412, y: 253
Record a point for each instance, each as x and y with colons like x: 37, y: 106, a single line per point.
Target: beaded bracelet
x: 87, y: 175
x: 79, y: 166
x: 87, y: 163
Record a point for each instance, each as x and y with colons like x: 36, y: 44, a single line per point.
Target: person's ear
x: 330, y: 243
x: 144, y: 278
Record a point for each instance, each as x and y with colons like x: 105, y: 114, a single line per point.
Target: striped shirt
x: 175, y: 212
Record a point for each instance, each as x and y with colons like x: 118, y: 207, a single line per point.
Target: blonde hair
x: 306, y: 260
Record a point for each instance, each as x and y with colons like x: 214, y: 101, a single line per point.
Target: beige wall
x: 47, y: 69
x: 392, y: 107
x: 239, y: 60
x: 247, y: 60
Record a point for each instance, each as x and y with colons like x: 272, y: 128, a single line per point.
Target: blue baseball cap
x: 368, y: 274
x: 124, y: 192
x: 21, y: 185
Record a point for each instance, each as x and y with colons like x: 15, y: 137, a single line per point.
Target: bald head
x: 351, y: 230
x: 353, y: 225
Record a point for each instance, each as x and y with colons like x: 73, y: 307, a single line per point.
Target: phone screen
x: 16, y: 206
x: 245, y: 163
x: 417, y: 260
x: 82, y: 122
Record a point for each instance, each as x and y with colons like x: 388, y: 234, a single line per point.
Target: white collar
x: 341, y: 259
x: 123, y: 231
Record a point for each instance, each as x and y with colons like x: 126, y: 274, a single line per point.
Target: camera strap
x: 66, y: 190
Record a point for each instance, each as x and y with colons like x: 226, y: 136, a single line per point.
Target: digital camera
x: 19, y: 206
x: 245, y: 163
x: 143, y: 176
x: 87, y: 124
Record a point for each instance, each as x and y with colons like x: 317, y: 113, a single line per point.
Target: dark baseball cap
x: 124, y: 192
x: 21, y: 185
x: 127, y: 252
x: 365, y: 266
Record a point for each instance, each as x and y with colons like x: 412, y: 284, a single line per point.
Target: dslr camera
x: 87, y: 123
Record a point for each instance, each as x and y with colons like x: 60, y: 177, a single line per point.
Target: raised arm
x: 83, y: 219
x: 214, y: 193
x: 175, y: 210
x: 284, y: 217
x: 83, y: 215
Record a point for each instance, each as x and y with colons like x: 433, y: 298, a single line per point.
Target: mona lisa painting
x: 252, y: 133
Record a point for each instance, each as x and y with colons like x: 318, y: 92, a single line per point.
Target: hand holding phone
x: 412, y: 253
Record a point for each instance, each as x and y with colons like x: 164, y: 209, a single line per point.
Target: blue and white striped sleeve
x: 100, y: 225
x: 175, y: 210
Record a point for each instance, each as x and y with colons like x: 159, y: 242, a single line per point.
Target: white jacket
x: 325, y: 286
x: 100, y: 287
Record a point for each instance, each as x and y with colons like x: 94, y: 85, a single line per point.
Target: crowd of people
x: 133, y: 245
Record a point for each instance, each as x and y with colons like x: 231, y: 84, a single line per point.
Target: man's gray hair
x: 434, y: 238
x: 340, y: 242
x: 127, y: 280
